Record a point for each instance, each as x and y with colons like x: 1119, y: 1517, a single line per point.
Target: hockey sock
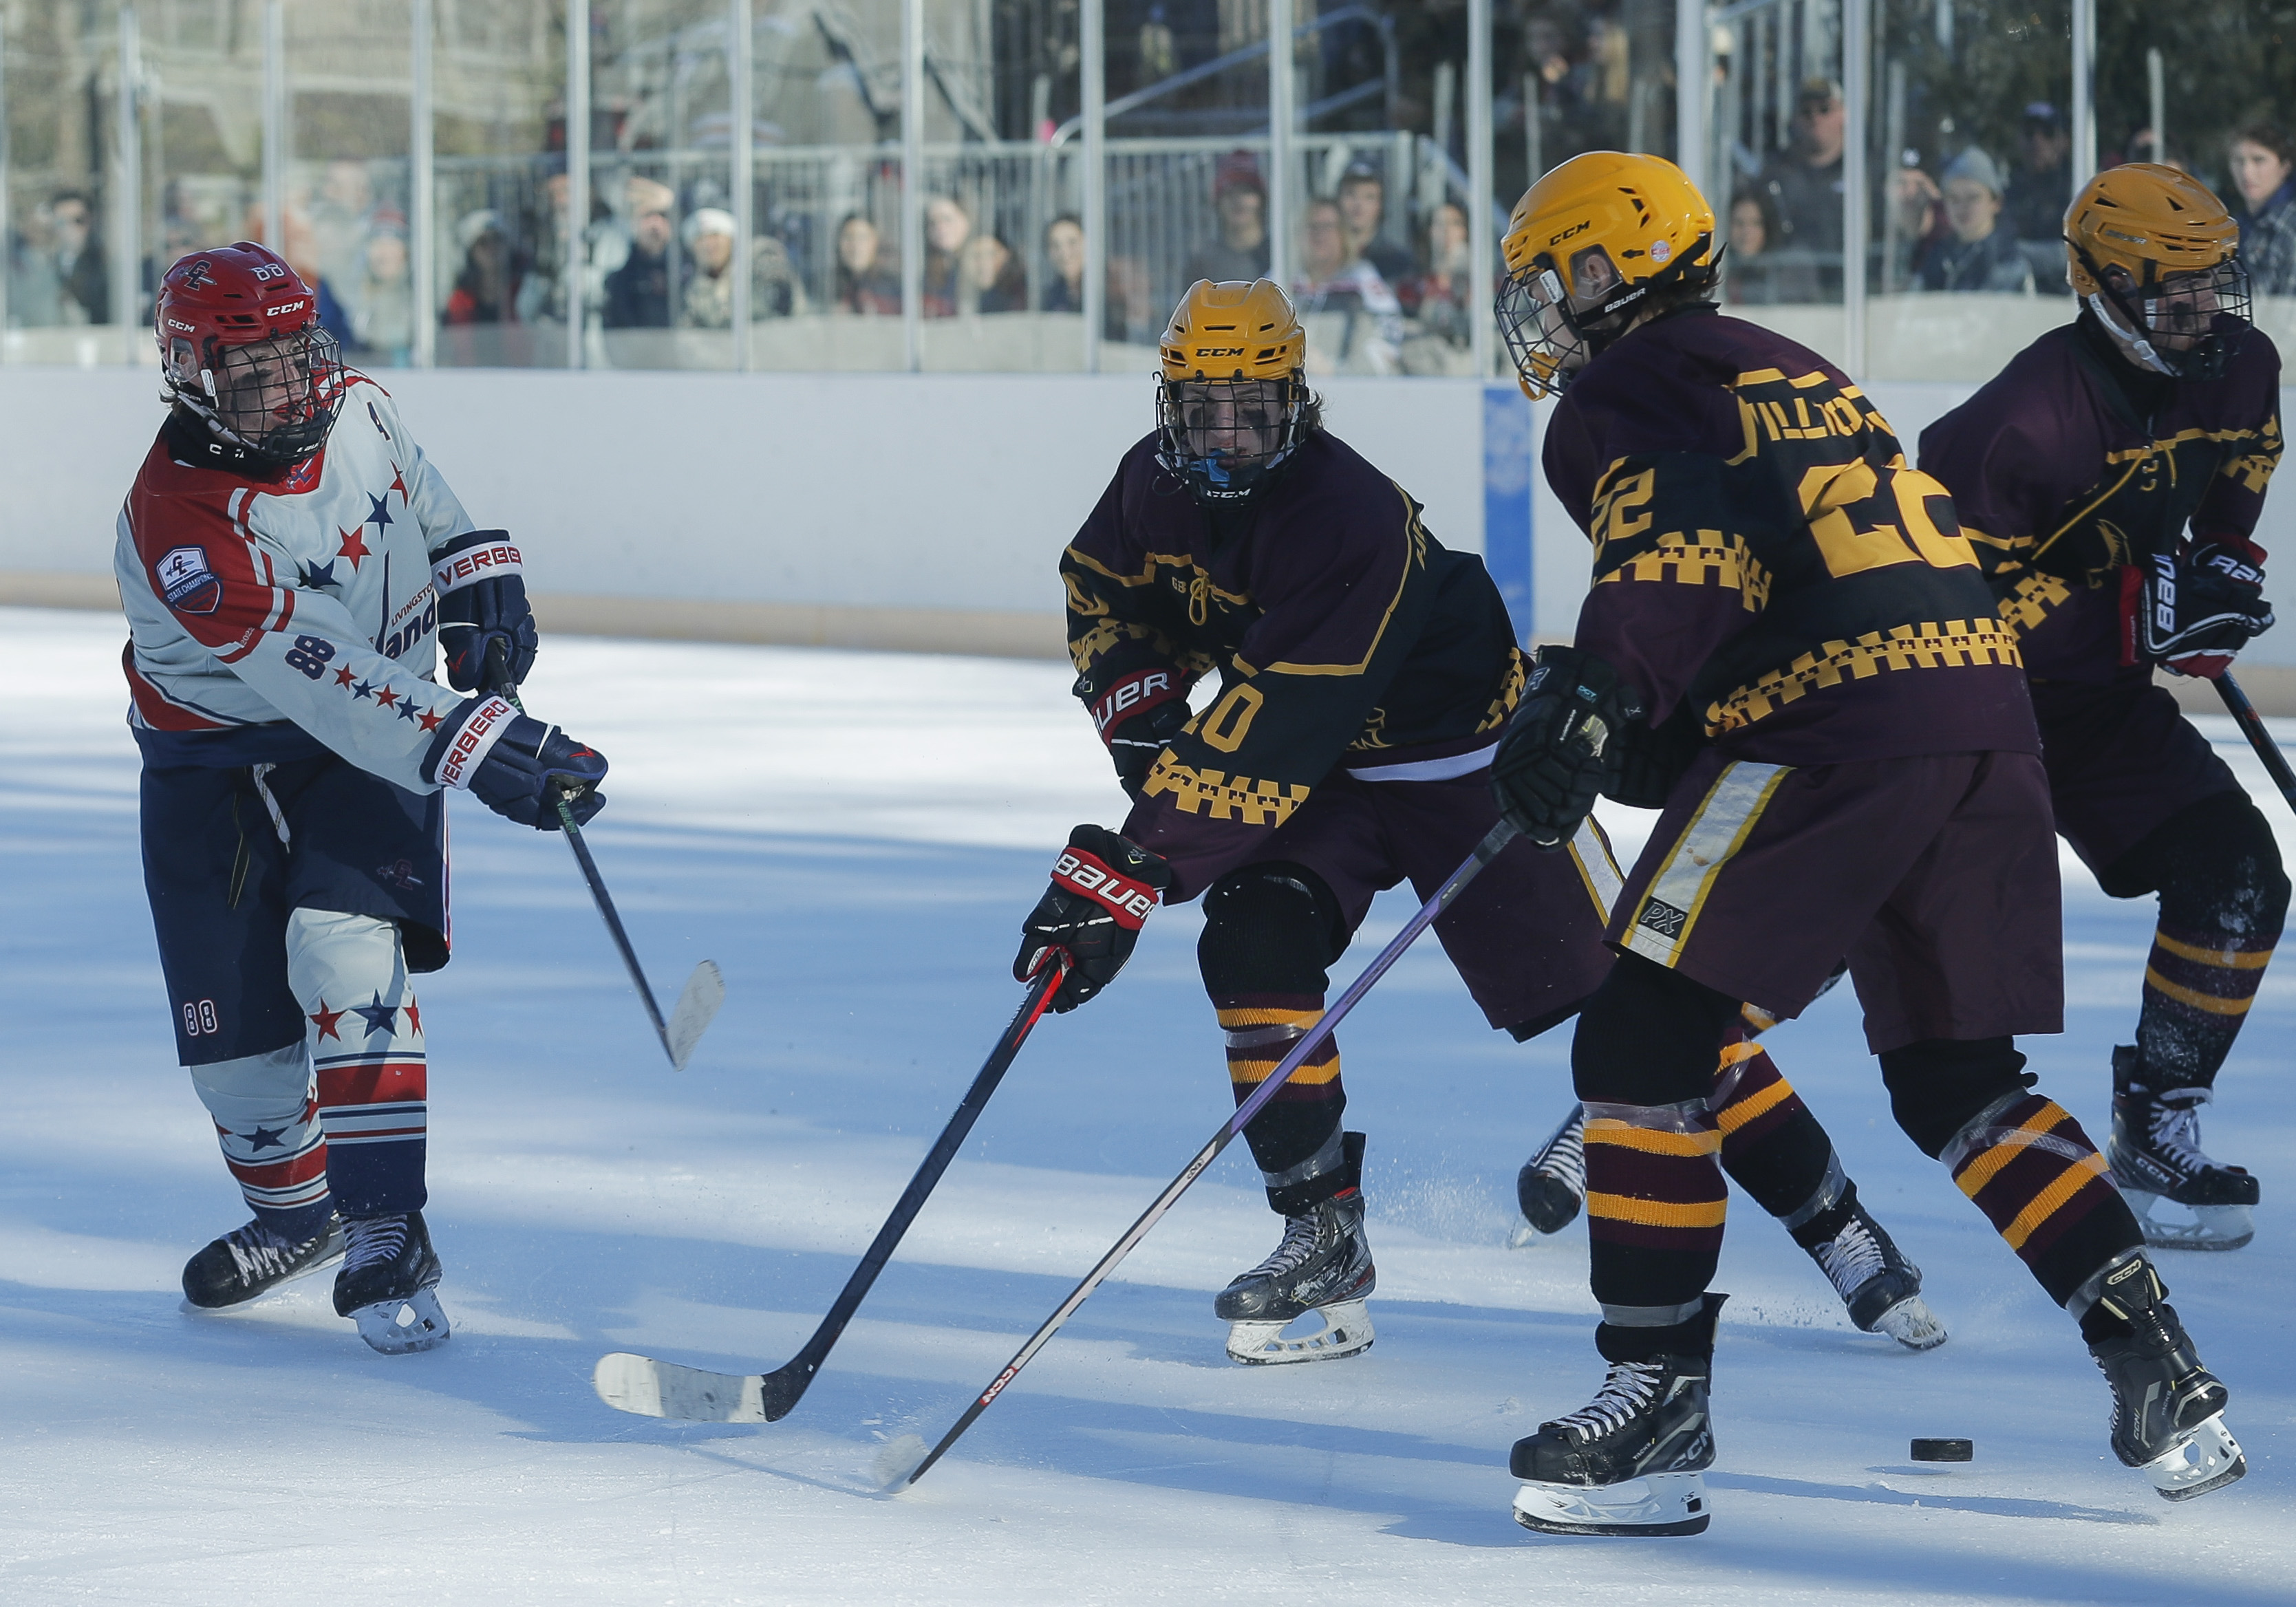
x: 2198, y: 988
x: 366, y: 1051
x: 2029, y: 1167
x: 268, y: 1127
x: 1772, y: 1146
x: 1304, y: 1116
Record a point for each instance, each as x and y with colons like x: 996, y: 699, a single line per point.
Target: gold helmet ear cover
x: 2155, y: 248
x: 1648, y: 220
x: 1232, y: 402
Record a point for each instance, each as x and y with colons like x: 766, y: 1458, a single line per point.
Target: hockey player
x: 2109, y: 480
x: 1781, y: 601
x: 289, y: 560
x: 1366, y: 672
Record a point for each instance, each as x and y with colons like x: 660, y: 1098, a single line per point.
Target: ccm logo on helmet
x: 1576, y: 228
x: 283, y: 309
x: 1224, y: 351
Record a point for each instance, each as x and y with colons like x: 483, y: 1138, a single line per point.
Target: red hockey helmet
x: 241, y: 346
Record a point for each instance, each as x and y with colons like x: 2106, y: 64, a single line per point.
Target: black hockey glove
x: 1651, y: 760
x: 516, y: 766
x: 1137, y: 714
x: 2193, y: 613
x: 1557, y: 754
x: 1102, y: 889
x: 481, y: 590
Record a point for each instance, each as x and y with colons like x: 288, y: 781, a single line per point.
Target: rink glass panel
x: 347, y: 196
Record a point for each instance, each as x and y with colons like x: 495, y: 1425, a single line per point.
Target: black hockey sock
x: 1827, y: 1223
x: 1693, y: 1335
x: 1772, y: 1146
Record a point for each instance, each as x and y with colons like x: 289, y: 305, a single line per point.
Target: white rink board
x: 856, y: 857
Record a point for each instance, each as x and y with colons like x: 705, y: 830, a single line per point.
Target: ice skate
x: 249, y: 1262
x: 1552, y: 1185
x: 2167, y: 1409
x: 2156, y: 1156
x: 1322, y: 1266
x: 1631, y: 1460
x: 1882, y: 1289
x: 389, y: 1284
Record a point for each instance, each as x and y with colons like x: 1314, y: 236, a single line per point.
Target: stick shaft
x: 1485, y: 852
x: 2260, y: 736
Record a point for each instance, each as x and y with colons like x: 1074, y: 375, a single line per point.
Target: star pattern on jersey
x: 317, y: 575
x: 398, y: 484
x: 365, y: 689
x: 407, y: 709
x: 325, y: 1020
x: 387, y: 697
x: 343, y: 676
x: 414, y: 1018
x: 377, y: 1016
x: 379, y: 516
x: 354, y: 548
x: 431, y: 720
x: 266, y: 1138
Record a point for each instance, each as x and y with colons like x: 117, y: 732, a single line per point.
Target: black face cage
x: 2192, y: 323
x: 1226, y: 437
x: 1550, y: 340
x: 276, y: 398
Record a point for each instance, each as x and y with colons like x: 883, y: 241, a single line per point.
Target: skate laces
x: 1629, y: 1390
x: 1852, y: 1256
x: 2174, y: 1131
x: 371, y: 1241
x: 1565, y: 1158
x: 258, y: 1252
x: 1301, y: 1236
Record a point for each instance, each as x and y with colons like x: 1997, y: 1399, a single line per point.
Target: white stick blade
x: 697, y: 1007
x: 647, y: 1388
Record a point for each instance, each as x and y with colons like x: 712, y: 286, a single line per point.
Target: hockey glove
x: 515, y: 766
x: 1558, y: 754
x: 1102, y: 889
x: 2192, y: 614
x: 481, y: 590
x: 1651, y: 760
x: 1136, y: 715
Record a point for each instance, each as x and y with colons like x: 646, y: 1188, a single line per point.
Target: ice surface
x: 854, y: 838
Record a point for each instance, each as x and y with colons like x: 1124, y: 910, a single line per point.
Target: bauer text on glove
x: 2192, y: 614
x: 1102, y: 889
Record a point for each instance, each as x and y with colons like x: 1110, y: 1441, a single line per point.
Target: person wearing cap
x: 1363, y: 208
x: 2040, y: 189
x: 1980, y: 250
x: 1804, y: 181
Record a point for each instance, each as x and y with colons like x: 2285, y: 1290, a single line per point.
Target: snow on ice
x: 854, y: 838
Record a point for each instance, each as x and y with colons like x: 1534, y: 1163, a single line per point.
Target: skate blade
x: 1657, y: 1505
x: 2212, y: 1227
x: 1911, y: 1323
x: 1524, y: 1236
x: 2207, y: 1459
x: 1346, y: 1330
x: 400, y: 1328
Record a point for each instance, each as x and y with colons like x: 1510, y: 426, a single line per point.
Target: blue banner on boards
x: 1506, y: 499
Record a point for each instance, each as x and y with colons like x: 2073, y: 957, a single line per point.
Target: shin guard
x: 268, y: 1125
x: 1655, y: 1202
x: 349, y: 973
x: 2029, y: 1167
x: 1772, y: 1146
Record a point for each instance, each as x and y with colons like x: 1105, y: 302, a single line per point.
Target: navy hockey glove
x: 2194, y: 613
x: 1558, y: 754
x: 1137, y: 715
x: 516, y: 766
x: 1651, y: 760
x: 481, y: 590
x: 1102, y: 889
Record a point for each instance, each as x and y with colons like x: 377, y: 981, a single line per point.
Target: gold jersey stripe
x: 2233, y: 959
x: 1957, y: 644
x: 1257, y: 1016
x: 1652, y: 1141
x: 1732, y: 1117
x: 1255, y: 1071
x: 1657, y: 1213
x: 2050, y: 1200
x: 1670, y: 911
x: 1217, y: 796
x: 2207, y: 1001
x: 2008, y: 1146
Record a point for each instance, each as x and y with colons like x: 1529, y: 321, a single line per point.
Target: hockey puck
x: 1945, y: 1450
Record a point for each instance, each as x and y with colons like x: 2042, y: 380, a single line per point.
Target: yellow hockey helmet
x: 1231, y: 400
x: 2153, y: 247
x: 1587, y: 243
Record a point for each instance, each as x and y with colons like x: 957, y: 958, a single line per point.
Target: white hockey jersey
x: 306, y: 598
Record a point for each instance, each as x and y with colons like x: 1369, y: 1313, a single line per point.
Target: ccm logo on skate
x: 468, y: 568
x: 1135, y: 694
x: 186, y: 583
x: 1129, y: 901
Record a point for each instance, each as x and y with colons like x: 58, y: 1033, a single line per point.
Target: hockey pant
x: 1270, y: 932
x: 335, y: 1122
x: 1654, y: 1191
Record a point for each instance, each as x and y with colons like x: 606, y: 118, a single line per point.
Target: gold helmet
x: 2154, y: 253
x: 1587, y: 242
x: 1232, y: 403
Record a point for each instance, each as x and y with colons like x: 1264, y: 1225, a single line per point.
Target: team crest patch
x: 186, y: 583
x: 1663, y: 918
x: 400, y: 874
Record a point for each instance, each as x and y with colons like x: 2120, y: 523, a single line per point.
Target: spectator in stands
x: 382, y: 328
x: 1751, y: 273
x: 485, y: 290
x: 35, y: 295
x: 1064, y: 258
x: 947, y: 226
x: 989, y: 279
x: 1437, y: 299
x: 2040, y: 189
x: 775, y: 292
x: 866, y: 282
x: 76, y: 256
x: 637, y: 292
x: 1333, y: 279
x: 342, y: 213
x: 1804, y: 181
x: 1241, y: 201
x: 1979, y: 253
x: 1363, y: 208
x: 2264, y: 173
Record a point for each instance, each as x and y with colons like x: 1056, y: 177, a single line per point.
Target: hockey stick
x: 652, y: 1388
x: 2260, y: 737
x: 704, y: 991
x: 1486, y: 851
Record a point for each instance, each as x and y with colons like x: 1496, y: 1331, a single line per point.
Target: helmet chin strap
x: 2138, y: 350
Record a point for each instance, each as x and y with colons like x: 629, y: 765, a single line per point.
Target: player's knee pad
x: 1271, y: 928
x: 1939, y: 1085
x: 1649, y: 1036
x: 340, y: 961
x: 2216, y: 865
x: 256, y: 1091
